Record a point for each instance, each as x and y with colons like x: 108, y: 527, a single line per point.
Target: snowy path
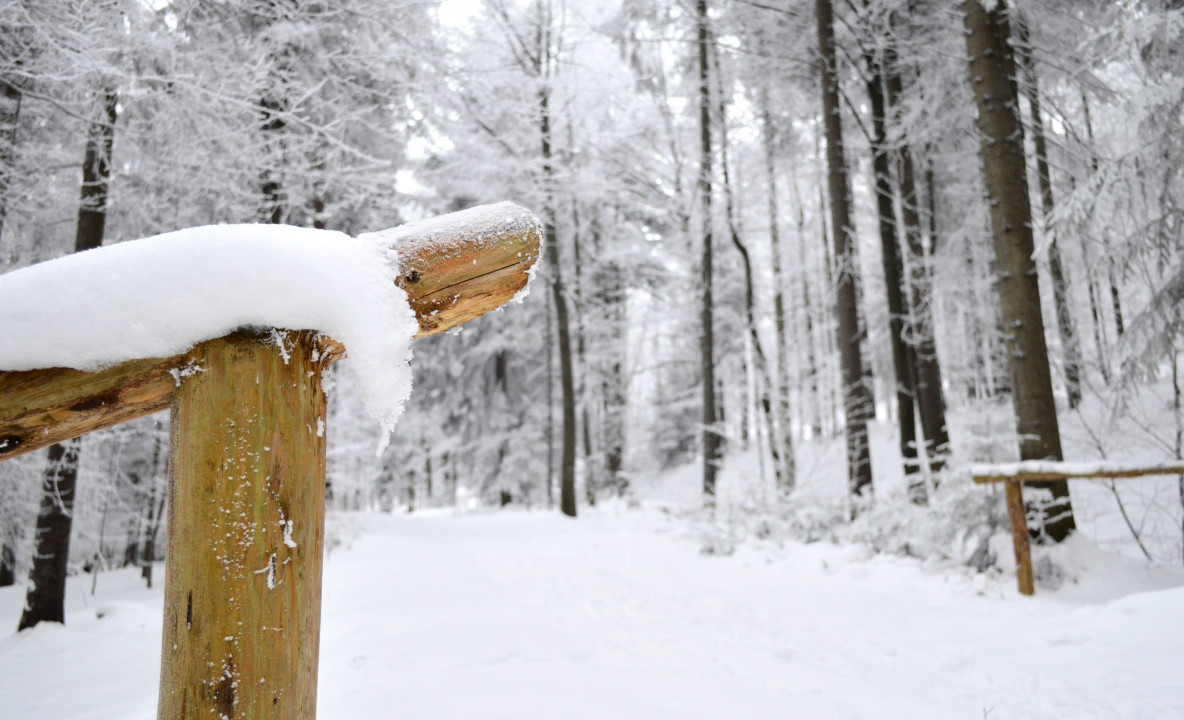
x: 616, y: 615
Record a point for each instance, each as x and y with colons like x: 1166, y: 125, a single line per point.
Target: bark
x: 710, y: 433
x: 274, y: 207
x: 1115, y: 300
x: 428, y: 491
x: 810, y: 381
x: 1178, y: 419
x: 992, y: 75
x: 894, y: 283
x: 782, y: 435
x: 549, y: 344
x: 567, y: 464
x: 152, y: 522
x: 583, y: 392
x: 762, y: 376
x: 928, y: 383
x: 830, y: 348
x: 613, y: 381
x: 857, y: 400
x: 7, y: 565
x: 47, y: 577
x: 1070, y: 348
x: 10, y: 110
x: 242, y: 590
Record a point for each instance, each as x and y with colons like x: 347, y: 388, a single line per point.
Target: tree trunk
x: 894, y: 283
x: 10, y: 112
x: 613, y: 381
x: 583, y: 392
x: 930, y: 400
x: 567, y: 465
x: 782, y: 433
x: 760, y: 363
x: 992, y: 74
x: 1115, y: 300
x: 810, y: 381
x: 148, y: 547
x: 7, y: 564
x: 549, y: 344
x: 274, y: 207
x: 46, y: 598
x: 1070, y: 348
x: 857, y: 400
x: 710, y: 431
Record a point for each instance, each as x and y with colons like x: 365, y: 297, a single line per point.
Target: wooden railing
x: 1014, y: 475
x: 247, y: 471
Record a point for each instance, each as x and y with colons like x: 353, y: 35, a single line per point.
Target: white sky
x: 458, y: 13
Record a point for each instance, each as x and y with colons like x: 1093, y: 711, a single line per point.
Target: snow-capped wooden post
x: 246, y: 529
x: 247, y: 482
x: 247, y: 464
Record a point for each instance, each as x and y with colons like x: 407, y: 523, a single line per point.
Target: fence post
x: 1019, y: 535
x: 245, y: 532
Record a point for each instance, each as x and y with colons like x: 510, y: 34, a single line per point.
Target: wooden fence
x: 247, y: 471
x: 1014, y: 475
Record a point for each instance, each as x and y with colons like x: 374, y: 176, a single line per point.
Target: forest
x: 808, y: 265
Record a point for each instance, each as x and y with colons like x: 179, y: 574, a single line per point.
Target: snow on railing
x: 158, y: 323
x: 1013, y: 475
x: 1038, y: 470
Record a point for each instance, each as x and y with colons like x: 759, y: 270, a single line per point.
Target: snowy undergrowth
x: 964, y: 529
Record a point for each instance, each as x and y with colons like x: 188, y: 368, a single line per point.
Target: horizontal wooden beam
x: 454, y: 268
x: 1049, y: 475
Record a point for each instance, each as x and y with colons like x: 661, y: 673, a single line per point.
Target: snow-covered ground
x: 520, y: 614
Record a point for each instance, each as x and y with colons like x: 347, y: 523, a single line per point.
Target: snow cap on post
x: 127, y: 353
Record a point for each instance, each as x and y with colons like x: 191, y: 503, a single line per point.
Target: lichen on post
x: 245, y: 532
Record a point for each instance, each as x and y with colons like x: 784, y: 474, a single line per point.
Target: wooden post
x: 247, y: 466
x: 245, y: 532
x: 1019, y: 536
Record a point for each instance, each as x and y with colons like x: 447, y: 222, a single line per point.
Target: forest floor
x: 526, y: 614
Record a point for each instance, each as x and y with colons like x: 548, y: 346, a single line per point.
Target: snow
x: 1049, y: 467
x: 483, y: 225
x: 159, y: 296
x: 530, y: 615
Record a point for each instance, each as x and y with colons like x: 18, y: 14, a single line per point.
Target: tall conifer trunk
x: 928, y: 383
x: 992, y: 77
x: 762, y: 376
x: 783, y: 435
x: 1070, y: 349
x: 10, y: 112
x: 857, y: 399
x: 45, y: 601
x: 893, y: 282
x: 710, y: 431
x: 10, y: 108
x: 567, y: 464
x: 1115, y: 298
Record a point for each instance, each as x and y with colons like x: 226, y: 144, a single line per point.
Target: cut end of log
x: 459, y: 266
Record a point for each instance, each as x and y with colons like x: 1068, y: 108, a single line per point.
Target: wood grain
x: 1021, y: 542
x: 242, y: 588
x: 452, y: 272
